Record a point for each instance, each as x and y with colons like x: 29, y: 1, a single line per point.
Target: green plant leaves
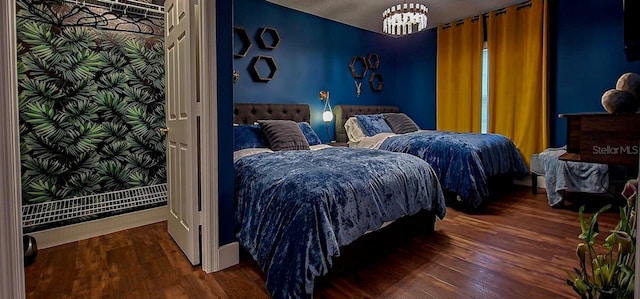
x: 82, y: 139
x: 112, y: 108
x: 77, y: 39
x: 609, y: 274
x: 91, y: 103
x: 114, y: 175
x: 80, y: 65
x: 116, y: 151
x: 38, y: 92
x: 113, y: 81
x: 590, y: 230
x: 45, y: 122
x: 42, y: 42
x: 82, y: 184
x: 40, y: 169
x: 42, y: 191
x: 80, y: 112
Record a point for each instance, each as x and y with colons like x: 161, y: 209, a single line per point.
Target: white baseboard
x: 75, y: 232
x: 229, y: 255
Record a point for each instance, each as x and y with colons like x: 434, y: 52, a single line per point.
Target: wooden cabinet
x: 603, y: 138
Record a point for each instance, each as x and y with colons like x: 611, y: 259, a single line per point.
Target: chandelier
x: 403, y: 19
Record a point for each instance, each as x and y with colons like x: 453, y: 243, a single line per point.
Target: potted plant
x: 609, y: 273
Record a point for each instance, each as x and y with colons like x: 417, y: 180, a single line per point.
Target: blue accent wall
x: 224, y: 50
x: 414, y: 75
x: 314, y: 54
x: 587, y: 58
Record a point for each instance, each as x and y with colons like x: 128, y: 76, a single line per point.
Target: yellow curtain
x: 517, y: 46
x: 459, y: 73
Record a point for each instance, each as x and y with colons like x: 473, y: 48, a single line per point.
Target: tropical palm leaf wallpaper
x: 91, y: 102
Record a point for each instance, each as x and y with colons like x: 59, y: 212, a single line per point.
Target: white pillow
x: 354, y: 131
x: 248, y: 152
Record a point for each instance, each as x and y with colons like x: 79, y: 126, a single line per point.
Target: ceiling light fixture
x: 404, y: 19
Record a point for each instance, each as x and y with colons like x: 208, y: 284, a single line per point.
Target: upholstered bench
x: 561, y: 176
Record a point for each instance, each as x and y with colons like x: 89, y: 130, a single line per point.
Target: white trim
x: 85, y: 230
x: 11, y: 253
x: 213, y: 257
x: 228, y: 255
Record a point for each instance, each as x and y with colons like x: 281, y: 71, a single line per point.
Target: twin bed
x: 464, y: 162
x: 298, y: 209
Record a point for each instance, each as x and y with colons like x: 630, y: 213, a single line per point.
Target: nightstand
x: 334, y: 143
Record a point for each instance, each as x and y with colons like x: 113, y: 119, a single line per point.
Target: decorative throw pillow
x: 309, y: 133
x: 400, y: 123
x: 248, y: 136
x: 373, y: 124
x: 352, y: 127
x: 284, y: 135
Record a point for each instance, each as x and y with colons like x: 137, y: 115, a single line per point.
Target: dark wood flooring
x: 516, y: 247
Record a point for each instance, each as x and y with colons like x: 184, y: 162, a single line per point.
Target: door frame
x: 214, y: 256
x: 11, y: 253
x: 209, y: 246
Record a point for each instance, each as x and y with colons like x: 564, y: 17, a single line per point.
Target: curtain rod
x: 486, y: 14
x: 124, y: 6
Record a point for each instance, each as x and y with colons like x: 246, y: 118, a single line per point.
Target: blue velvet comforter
x: 296, y: 208
x: 462, y: 161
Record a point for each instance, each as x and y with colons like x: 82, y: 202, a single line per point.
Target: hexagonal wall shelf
x: 358, y: 67
x: 275, y: 38
x: 244, y: 39
x: 373, y: 61
x: 375, y: 82
x: 254, y: 68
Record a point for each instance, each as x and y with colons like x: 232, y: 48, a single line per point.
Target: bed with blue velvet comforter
x: 462, y: 161
x: 295, y: 209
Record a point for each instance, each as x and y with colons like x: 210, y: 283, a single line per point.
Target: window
x: 485, y: 90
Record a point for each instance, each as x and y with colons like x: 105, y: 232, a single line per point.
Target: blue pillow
x: 309, y: 133
x: 373, y: 124
x: 248, y: 136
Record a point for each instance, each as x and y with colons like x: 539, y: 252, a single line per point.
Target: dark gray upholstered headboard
x: 343, y: 112
x: 246, y: 113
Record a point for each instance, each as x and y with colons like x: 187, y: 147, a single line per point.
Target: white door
x: 182, y: 113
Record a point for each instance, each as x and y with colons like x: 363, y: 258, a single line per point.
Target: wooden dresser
x: 603, y: 138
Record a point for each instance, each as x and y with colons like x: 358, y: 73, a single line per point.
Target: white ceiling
x: 367, y: 14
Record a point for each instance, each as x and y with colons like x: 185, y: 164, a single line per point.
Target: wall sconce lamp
x: 327, y: 113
